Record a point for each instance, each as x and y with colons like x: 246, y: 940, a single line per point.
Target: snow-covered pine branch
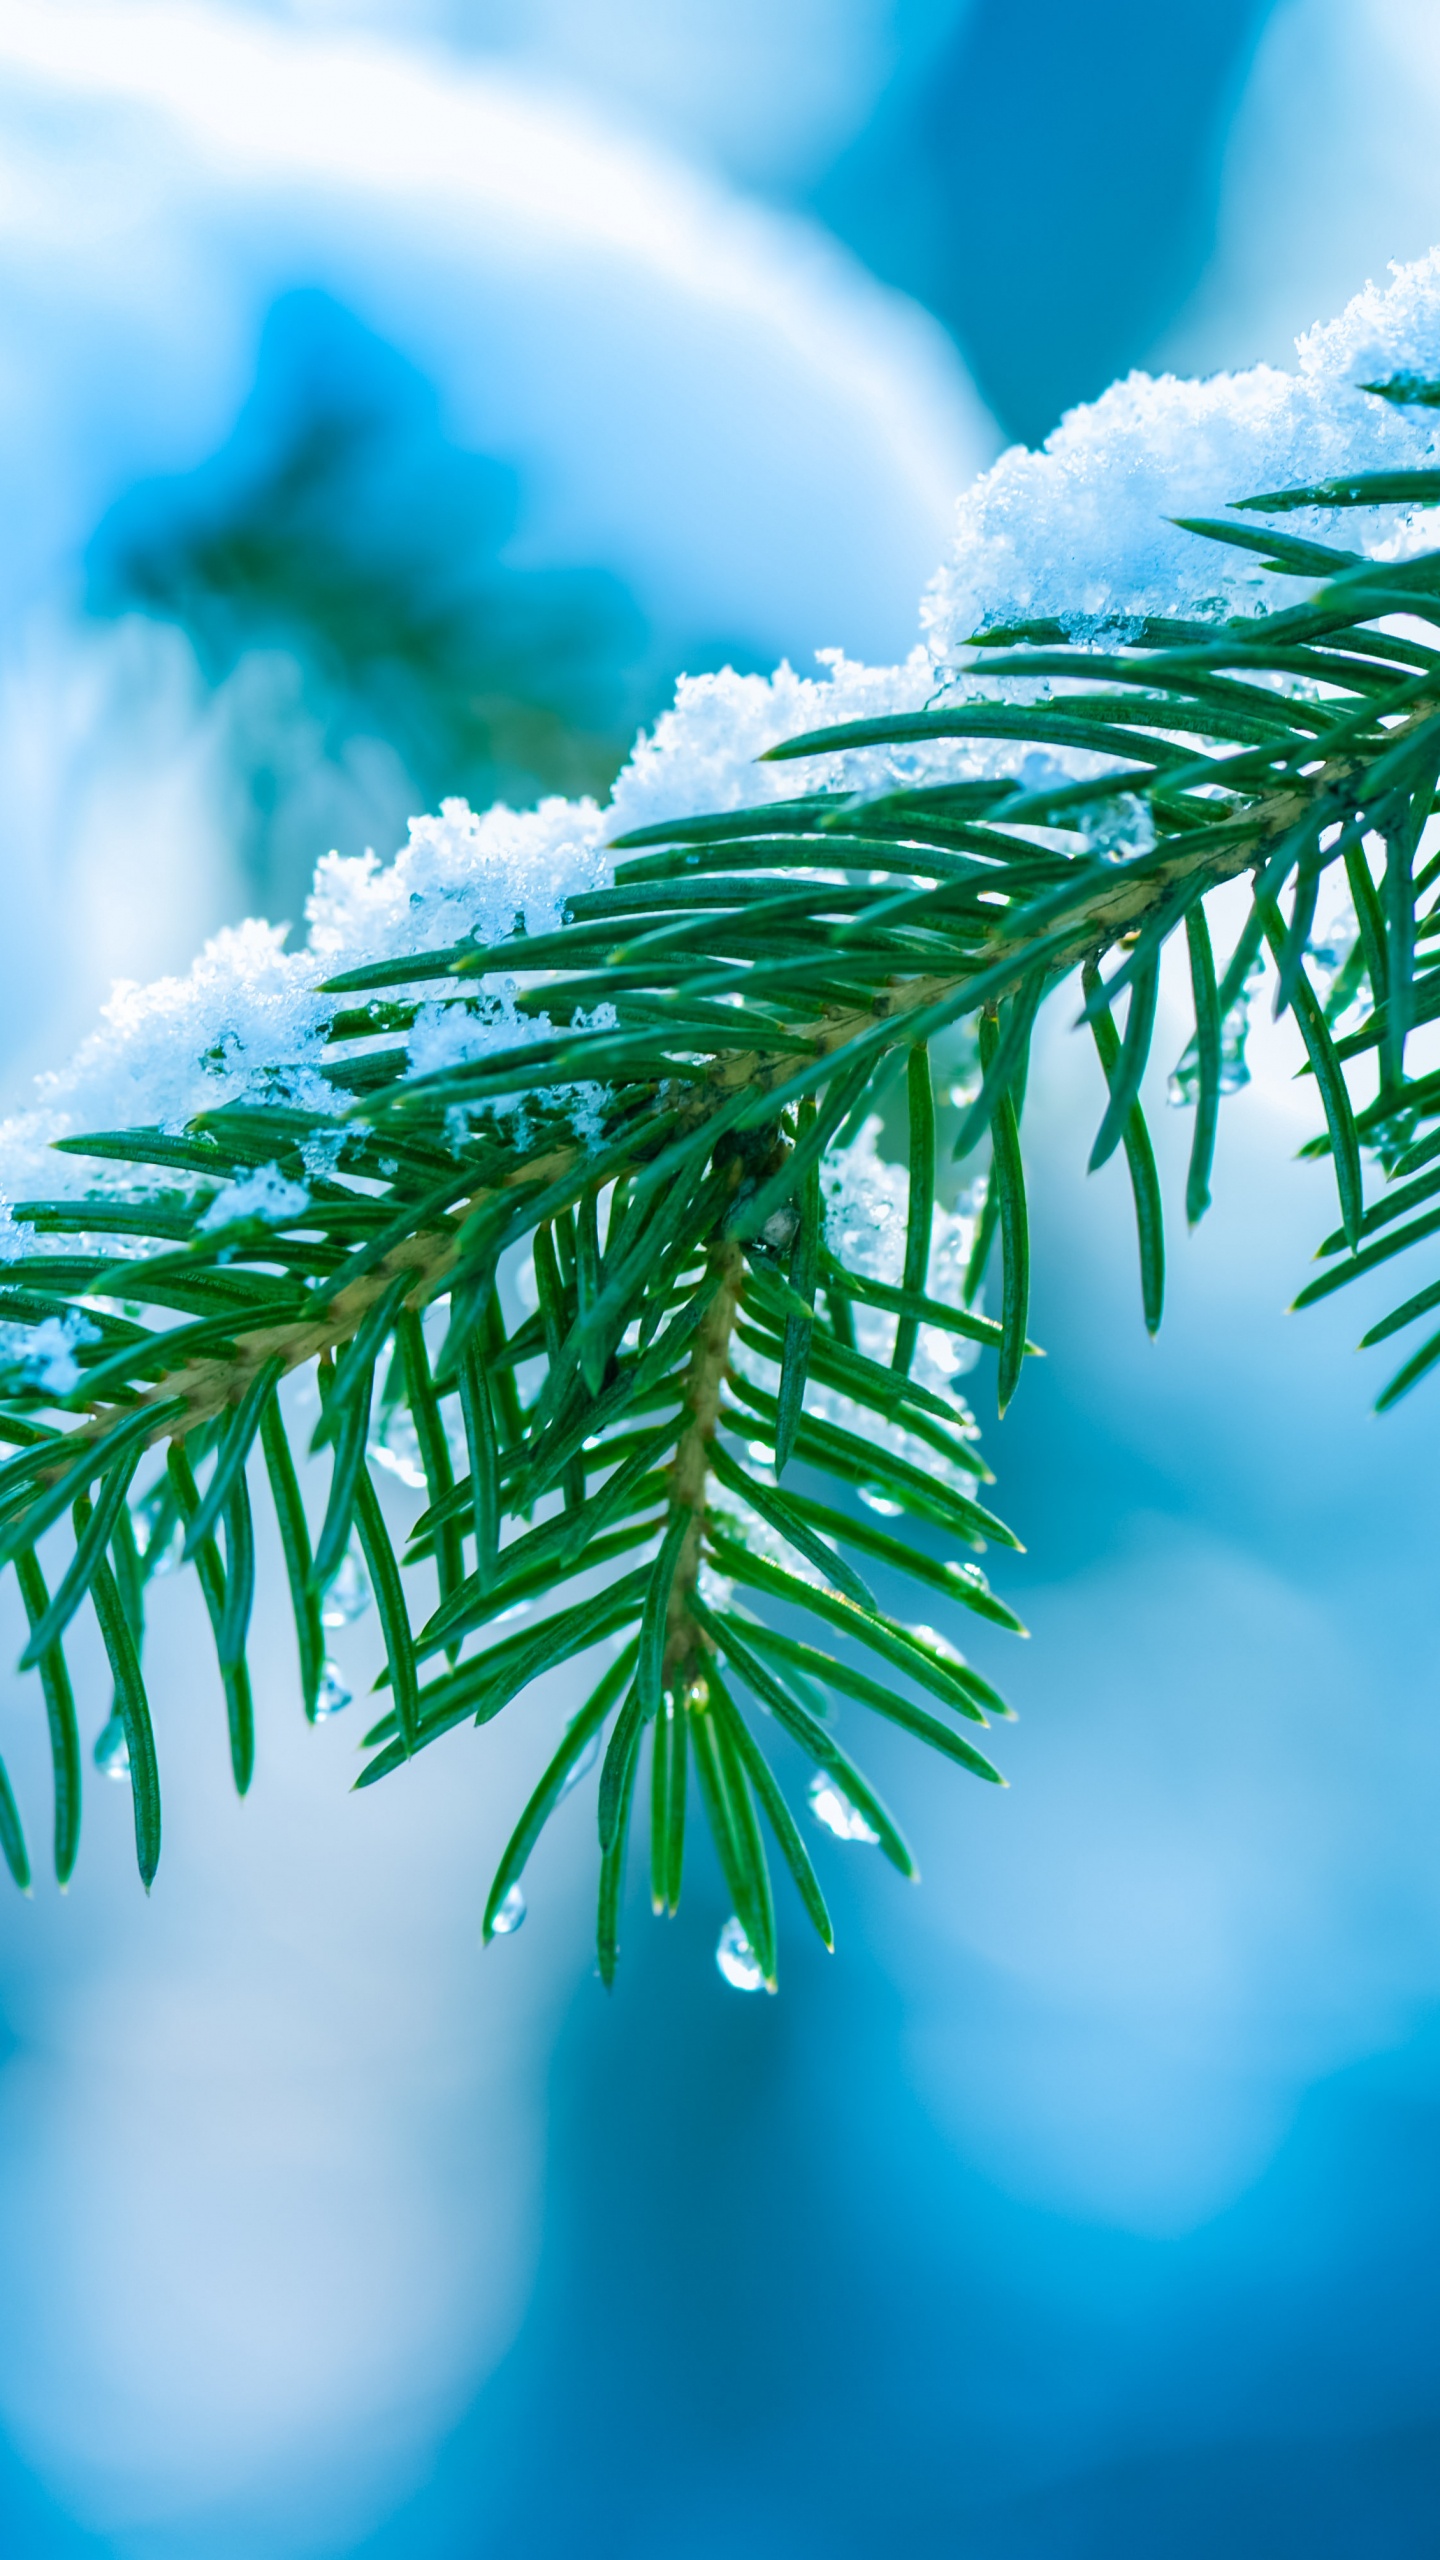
x: 553, y: 1147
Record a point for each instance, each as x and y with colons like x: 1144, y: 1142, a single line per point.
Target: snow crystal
x: 866, y: 1208
x: 44, y: 1353
x: 586, y: 1106
x: 716, y: 1589
x: 749, y: 1530
x: 461, y: 875
x: 1120, y: 830
x: 321, y: 1154
x: 264, y: 1194
x: 456, y: 1034
x: 866, y: 1216
x: 15, y: 1238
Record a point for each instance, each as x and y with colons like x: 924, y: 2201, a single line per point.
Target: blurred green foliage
x: 343, y: 572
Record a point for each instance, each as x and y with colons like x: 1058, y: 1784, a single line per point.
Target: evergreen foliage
x: 659, y: 1455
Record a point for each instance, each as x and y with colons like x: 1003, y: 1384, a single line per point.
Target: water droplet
x: 1183, y: 1090
x: 947, y: 1357
x: 159, y: 1536
x: 409, y: 1471
x: 737, y: 1959
x: 875, y: 1500
x: 934, y: 1642
x: 1328, y: 952
x: 1234, y: 1065
x: 332, y: 1694
x: 833, y: 1809
x: 517, y: 1609
x: 582, y: 1766
x: 112, y: 1751
x: 510, y: 1914
x: 349, y: 1594
x: 396, y: 1446
x: 698, y: 1694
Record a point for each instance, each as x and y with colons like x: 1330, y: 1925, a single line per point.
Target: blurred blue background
x: 391, y: 403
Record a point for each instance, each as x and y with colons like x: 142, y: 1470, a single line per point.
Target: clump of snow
x: 44, y: 1354
x: 246, y: 1025
x: 702, y: 754
x: 15, y: 1238
x: 1078, y: 532
x: 454, y: 1035
x: 461, y: 874
x: 457, y: 1034
x: 264, y: 1194
x: 321, y: 1153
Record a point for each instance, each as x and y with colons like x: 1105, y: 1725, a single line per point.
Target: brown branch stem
x: 690, y: 1466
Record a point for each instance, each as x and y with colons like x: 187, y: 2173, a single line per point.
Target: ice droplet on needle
x: 112, y: 1751
x: 737, y: 1959
x: 581, y: 1766
x: 833, y: 1809
x: 332, y: 1694
x: 348, y: 1596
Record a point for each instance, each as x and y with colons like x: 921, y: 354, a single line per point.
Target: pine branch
x: 741, y: 995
